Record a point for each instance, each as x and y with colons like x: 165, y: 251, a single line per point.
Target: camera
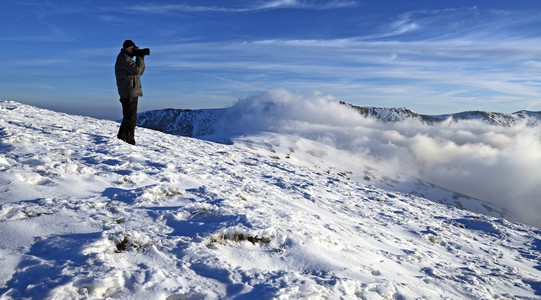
x: 141, y: 52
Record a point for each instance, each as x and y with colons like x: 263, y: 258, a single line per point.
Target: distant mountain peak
x: 492, y: 118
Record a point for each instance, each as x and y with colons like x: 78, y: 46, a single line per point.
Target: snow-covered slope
x: 345, y: 165
x: 490, y: 156
x: 84, y: 215
x: 201, y: 123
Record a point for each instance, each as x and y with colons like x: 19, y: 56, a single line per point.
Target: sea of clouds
x: 501, y: 165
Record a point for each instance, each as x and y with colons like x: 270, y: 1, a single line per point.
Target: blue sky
x: 430, y: 56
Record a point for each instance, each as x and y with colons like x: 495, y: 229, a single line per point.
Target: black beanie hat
x: 128, y: 44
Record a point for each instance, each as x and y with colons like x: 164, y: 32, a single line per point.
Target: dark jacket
x: 127, y: 74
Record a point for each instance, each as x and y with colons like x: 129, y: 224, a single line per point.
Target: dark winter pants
x: 129, y: 120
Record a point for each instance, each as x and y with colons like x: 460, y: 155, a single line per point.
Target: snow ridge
x: 493, y: 118
x: 84, y: 215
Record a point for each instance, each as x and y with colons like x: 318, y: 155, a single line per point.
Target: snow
x: 490, y: 156
x: 254, y: 216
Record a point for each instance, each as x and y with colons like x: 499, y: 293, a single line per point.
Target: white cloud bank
x: 497, y: 164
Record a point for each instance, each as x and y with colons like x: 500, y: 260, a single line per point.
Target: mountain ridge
x: 493, y: 118
x: 201, y: 122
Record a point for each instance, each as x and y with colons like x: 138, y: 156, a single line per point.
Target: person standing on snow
x: 128, y: 73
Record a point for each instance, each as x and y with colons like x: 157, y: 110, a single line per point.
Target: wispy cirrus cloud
x: 430, y: 60
x: 305, y: 4
x: 48, y: 32
x: 457, y: 71
x: 248, y: 7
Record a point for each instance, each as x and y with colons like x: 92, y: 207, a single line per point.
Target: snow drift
x: 85, y: 215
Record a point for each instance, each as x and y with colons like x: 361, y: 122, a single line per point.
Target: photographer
x: 128, y: 73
